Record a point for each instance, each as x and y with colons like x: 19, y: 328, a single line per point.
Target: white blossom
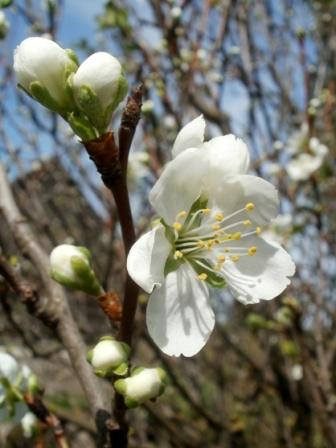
x: 209, y: 235
x: 41, y: 63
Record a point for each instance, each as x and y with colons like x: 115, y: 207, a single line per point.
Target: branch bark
x: 53, y: 308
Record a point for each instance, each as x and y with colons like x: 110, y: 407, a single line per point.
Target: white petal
x: 262, y: 276
x: 232, y: 194
x: 228, y: 156
x: 179, y: 315
x: 190, y: 136
x: 180, y: 184
x: 147, y: 257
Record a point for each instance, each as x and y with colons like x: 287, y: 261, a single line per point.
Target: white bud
x: 142, y: 385
x: 70, y: 266
x: 43, y: 61
x: 109, y: 357
x: 99, y: 75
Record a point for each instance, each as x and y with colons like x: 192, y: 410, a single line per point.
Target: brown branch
x: 38, y: 408
x: 53, y: 308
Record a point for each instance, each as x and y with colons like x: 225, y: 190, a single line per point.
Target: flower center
x: 206, y: 239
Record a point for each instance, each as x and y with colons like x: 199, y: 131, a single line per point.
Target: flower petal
x: 232, y: 194
x: 180, y: 184
x: 190, y: 136
x: 228, y: 156
x: 179, y: 315
x: 147, y: 257
x: 262, y: 276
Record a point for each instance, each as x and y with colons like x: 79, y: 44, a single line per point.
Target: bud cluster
x: 110, y: 358
x: 85, y: 96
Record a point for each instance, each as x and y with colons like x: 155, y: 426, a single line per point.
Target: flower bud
x: 70, y: 266
x: 4, y: 25
x: 99, y: 86
x: 14, y: 382
x: 143, y: 384
x: 42, y: 68
x: 109, y: 357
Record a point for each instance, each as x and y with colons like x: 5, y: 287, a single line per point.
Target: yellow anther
x: 247, y: 222
x: 202, y: 276
x: 216, y: 226
x: 211, y: 243
x: 182, y: 214
x: 206, y: 211
x: 252, y: 250
x: 201, y: 244
x: 258, y: 230
x: 249, y: 206
x: 178, y: 254
x: 235, y: 258
x: 236, y: 236
x: 221, y: 258
x: 226, y: 250
x: 177, y: 226
x: 219, y: 217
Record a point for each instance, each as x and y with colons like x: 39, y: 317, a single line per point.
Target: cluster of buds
x: 85, y: 96
x: 110, y: 358
x: 15, y: 381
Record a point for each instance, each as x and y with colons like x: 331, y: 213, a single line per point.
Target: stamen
x: 177, y: 226
x: 206, y: 211
x: 258, y: 230
x: 202, y: 276
x: 252, y: 250
x: 249, y: 207
x: 247, y: 222
x: 178, y: 254
x: 236, y: 236
x: 234, y: 258
x: 219, y: 216
x: 216, y: 226
x: 181, y: 214
x: 221, y: 258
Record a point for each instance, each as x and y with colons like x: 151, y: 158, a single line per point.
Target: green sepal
x: 89, y: 356
x: 107, y: 338
x: 214, y: 280
x: 131, y: 403
x: 120, y: 387
x: 72, y: 55
x: 41, y: 94
x: 121, y: 370
x: 120, y: 94
x: 136, y: 370
x: 126, y: 347
x: 169, y: 233
x: 63, y: 280
x: 172, y: 264
x: 200, y: 203
x: 85, y: 251
x: 90, y: 104
x: 33, y: 386
x: 86, y: 278
x: 162, y: 374
x: 81, y: 127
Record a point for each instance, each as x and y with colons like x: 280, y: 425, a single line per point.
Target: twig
x: 37, y: 407
x: 53, y: 309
